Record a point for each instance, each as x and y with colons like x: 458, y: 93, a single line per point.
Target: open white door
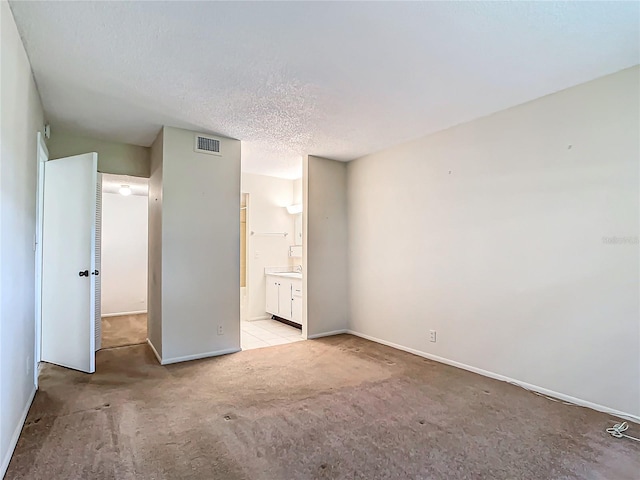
x: 68, y: 262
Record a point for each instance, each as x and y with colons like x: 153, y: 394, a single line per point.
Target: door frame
x: 42, y: 157
x: 247, y: 244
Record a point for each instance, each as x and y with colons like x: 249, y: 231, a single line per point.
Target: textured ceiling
x: 333, y: 79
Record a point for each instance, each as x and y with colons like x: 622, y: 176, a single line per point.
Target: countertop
x: 297, y: 275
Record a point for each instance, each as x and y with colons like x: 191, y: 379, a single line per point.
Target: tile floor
x: 266, y: 333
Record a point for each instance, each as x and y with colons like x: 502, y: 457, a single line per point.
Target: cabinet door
x: 296, y: 308
x: 272, y: 296
x: 285, y: 299
x: 296, y: 301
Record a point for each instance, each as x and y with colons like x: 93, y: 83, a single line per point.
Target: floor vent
x: 208, y: 145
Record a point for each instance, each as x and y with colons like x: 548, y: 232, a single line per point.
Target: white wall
x: 297, y: 219
x: 200, y: 248
x: 154, y: 276
x: 268, y: 198
x: 20, y: 119
x: 124, y: 253
x: 113, y: 157
x: 325, y: 246
x: 297, y: 191
x: 492, y: 234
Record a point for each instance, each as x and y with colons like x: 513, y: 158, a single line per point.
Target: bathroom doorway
x: 270, y: 261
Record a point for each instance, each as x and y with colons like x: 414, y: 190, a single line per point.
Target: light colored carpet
x: 334, y: 408
x: 124, y: 330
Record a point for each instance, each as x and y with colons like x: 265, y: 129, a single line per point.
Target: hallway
x: 124, y: 330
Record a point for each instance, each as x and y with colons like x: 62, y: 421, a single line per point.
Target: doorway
x: 270, y: 262
x: 72, y: 245
x: 123, y: 245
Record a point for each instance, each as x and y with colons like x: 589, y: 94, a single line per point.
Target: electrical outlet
x: 220, y: 330
x: 432, y: 336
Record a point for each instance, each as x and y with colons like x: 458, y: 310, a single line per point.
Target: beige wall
x: 493, y: 233
x: 124, y: 254
x: 113, y: 157
x: 21, y: 119
x: 154, y: 278
x: 325, y: 243
x: 200, y: 248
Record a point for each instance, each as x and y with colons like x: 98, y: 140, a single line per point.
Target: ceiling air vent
x: 207, y: 145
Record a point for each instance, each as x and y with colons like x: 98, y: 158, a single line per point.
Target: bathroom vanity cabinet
x: 284, y: 296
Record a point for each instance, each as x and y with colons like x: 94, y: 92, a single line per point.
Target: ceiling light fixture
x: 125, y: 190
x: 293, y: 209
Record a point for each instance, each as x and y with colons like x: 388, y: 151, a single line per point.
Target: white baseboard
x: 155, y: 352
x: 328, y: 334
x: 187, y: 358
x: 120, y: 314
x: 16, y: 435
x: 198, y: 356
x: 497, y: 376
x: 255, y: 319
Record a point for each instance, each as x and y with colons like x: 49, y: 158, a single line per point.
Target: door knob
x: 95, y: 272
x: 84, y: 273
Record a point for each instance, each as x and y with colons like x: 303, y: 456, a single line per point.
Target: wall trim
x: 328, y: 334
x: 503, y: 378
x: 16, y: 434
x: 198, y: 356
x: 123, y: 313
x: 255, y: 319
x: 155, y: 352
